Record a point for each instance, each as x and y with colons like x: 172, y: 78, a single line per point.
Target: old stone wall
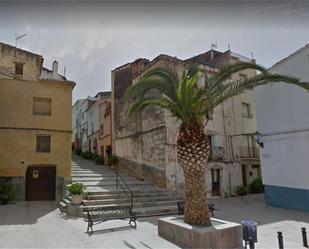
x: 9, y: 56
x: 147, y: 142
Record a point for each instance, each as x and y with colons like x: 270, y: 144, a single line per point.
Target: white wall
x: 93, y: 118
x: 282, y: 111
x: 75, y: 116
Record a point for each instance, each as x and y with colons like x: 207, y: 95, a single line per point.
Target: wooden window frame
x: 41, y: 113
x: 248, y: 113
x: 43, y: 148
x: 17, y: 64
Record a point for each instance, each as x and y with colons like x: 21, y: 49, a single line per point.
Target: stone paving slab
x: 40, y: 225
x: 270, y: 220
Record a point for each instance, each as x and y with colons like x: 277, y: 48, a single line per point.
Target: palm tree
x: 193, y: 105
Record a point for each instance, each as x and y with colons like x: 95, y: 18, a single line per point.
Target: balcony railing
x: 217, y: 153
x: 249, y: 152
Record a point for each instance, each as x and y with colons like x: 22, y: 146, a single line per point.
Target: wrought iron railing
x: 216, y: 153
x: 249, y: 152
x: 120, y: 182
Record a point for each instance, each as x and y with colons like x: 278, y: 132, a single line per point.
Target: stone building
x: 146, y: 142
x: 35, y: 125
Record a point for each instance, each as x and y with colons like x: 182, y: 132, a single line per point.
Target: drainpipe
x: 227, y: 149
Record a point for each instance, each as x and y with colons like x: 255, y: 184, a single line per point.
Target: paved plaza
x: 40, y: 225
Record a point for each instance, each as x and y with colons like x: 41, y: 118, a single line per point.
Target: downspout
x: 227, y: 148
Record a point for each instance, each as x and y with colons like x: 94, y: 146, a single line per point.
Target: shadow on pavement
x: 25, y: 212
x: 110, y: 230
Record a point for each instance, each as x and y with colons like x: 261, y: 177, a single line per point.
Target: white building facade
x: 283, y: 121
x: 85, y: 122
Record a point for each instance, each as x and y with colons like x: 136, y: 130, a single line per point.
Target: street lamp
x: 257, y: 137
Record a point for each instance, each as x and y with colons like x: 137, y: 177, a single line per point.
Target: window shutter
x: 41, y: 106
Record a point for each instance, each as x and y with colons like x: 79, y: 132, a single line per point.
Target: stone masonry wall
x: 9, y: 55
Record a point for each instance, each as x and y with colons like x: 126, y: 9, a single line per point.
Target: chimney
x: 211, y: 54
x: 55, y: 69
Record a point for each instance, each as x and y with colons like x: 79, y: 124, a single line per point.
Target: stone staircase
x: 100, y: 182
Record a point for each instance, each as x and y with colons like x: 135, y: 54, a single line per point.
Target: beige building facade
x: 35, y: 126
x: 105, y: 133
x: 146, y: 143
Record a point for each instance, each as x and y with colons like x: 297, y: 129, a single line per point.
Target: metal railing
x: 216, y: 153
x: 120, y: 182
x: 249, y: 152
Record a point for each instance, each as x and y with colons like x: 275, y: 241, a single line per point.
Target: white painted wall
x: 76, y: 119
x: 93, y: 118
x: 84, y: 125
x: 283, y: 111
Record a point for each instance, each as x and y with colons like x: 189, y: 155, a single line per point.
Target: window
x: 41, y: 106
x: 19, y: 68
x: 255, y: 166
x: 101, y: 130
x: 246, y: 110
x: 43, y: 143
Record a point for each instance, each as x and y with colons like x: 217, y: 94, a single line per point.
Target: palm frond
x: 189, y: 102
x: 143, y: 102
x: 226, y: 73
x: 239, y: 86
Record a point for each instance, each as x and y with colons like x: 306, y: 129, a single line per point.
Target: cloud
x: 92, y: 39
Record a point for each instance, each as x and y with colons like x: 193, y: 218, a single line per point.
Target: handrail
x: 125, y: 188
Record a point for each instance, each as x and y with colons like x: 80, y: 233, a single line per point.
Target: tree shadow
x: 25, y: 212
x: 110, y: 230
x: 128, y: 244
x: 253, y: 207
x: 144, y: 244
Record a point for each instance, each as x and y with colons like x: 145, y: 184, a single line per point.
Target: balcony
x: 249, y: 152
x: 216, y: 153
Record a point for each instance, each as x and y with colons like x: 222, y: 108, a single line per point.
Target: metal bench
x: 102, y: 214
x: 181, y: 208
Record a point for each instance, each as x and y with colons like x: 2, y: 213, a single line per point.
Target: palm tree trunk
x: 193, y: 151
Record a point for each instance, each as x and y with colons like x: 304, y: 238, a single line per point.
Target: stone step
x: 113, y: 183
x: 121, y: 195
x: 156, y: 210
x: 149, y: 211
x: 100, y: 182
x: 93, y: 174
x: 100, y: 178
x: 89, y: 164
x: 62, y: 207
x: 93, y: 171
x: 136, y: 200
x: 112, y: 189
x: 67, y: 200
x: 158, y: 204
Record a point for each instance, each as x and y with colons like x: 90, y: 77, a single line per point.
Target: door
x: 244, y: 175
x: 40, y: 183
x: 215, y: 180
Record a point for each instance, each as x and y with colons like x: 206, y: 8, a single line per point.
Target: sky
x: 92, y: 38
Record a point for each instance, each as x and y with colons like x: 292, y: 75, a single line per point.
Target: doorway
x: 215, y: 182
x: 244, y: 174
x: 41, y: 183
